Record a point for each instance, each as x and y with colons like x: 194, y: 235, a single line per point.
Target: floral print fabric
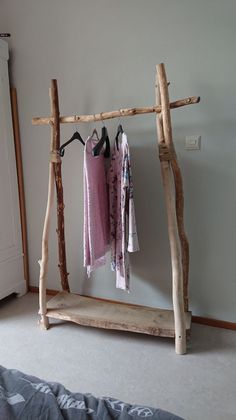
x: 123, y: 230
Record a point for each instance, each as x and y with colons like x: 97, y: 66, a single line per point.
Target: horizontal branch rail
x: 127, y: 112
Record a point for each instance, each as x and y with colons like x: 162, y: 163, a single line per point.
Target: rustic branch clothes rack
x: 100, y: 312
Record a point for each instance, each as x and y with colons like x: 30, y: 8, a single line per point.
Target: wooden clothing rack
x: 100, y: 312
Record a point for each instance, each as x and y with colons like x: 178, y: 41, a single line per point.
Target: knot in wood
x: 166, y: 153
x: 55, y: 157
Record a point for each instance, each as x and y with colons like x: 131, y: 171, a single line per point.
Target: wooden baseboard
x: 197, y: 319
x: 51, y: 292
x: 214, y: 322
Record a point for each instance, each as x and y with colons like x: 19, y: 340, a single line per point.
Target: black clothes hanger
x: 76, y: 136
x: 104, y: 138
x: 119, y: 131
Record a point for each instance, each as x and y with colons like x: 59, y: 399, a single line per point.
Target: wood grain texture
x: 179, y: 205
x: 104, y: 314
x: 179, y: 197
x: 124, y: 112
x: 165, y: 130
x: 59, y: 188
x: 211, y: 322
x: 43, y: 263
x: 20, y: 178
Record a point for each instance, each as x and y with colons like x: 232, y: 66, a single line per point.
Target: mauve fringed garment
x: 96, y: 217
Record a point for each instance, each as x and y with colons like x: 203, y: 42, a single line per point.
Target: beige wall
x: 103, y: 54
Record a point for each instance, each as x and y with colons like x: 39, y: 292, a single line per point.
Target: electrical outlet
x: 193, y: 142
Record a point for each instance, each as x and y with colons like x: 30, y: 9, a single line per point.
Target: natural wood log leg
x: 61, y: 228
x: 179, y: 203
x: 58, y: 179
x: 167, y: 149
x: 44, y: 323
x: 176, y: 260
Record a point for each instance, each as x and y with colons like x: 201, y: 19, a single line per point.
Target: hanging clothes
x: 123, y: 229
x: 96, y: 215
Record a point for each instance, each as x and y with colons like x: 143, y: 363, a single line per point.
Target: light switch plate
x: 193, y: 142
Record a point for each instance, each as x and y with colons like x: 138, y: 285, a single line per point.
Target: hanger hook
x: 61, y: 151
x: 120, y: 117
x: 102, y: 119
x: 77, y: 127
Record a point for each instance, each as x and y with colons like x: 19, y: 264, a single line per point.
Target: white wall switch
x: 193, y: 142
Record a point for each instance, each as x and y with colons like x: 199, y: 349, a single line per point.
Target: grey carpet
x: 132, y: 367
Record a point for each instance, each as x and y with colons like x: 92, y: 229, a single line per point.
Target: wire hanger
x: 104, y: 138
x: 76, y: 136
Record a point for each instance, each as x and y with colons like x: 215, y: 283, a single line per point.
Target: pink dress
x: 123, y: 229
x: 96, y: 216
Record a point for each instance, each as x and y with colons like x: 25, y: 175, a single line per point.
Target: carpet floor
x: 200, y: 385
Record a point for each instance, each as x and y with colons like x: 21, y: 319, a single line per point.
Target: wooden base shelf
x: 95, y: 312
